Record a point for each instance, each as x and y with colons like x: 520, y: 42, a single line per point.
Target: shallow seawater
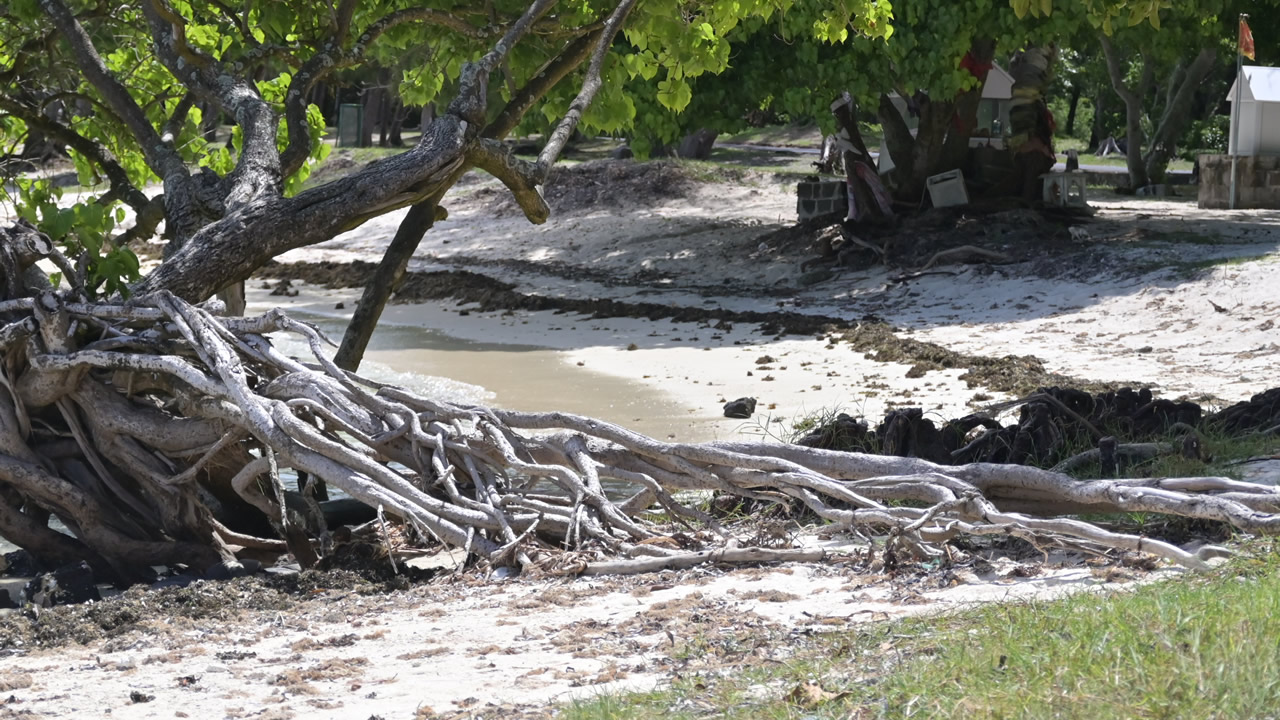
x: 517, y: 377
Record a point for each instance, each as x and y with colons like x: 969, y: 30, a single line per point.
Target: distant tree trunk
x: 1131, y: 96
x: 697, y: 145
x: 209, y: 117
x: 914, y: 158
x: 941, y: 141
x: 384, y: 119
x: 398, y: 114
x: 1177, y: 113
x: 372, y: 100
x: 38, y: 148
x: 1097, y: 132
x: 1073, y: 103
x: 320, y: 95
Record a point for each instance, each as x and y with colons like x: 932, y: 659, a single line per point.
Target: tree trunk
x: 931, y: 134
x: 420, y: 218
x: 39, y: 148
x: 1097, y: 132
x: 1177, y: 114
x: 915, y: 157
x: 371, y: 98
x: 955, y: 152
x: 398, y: 114
x: 1132, y: 99
x: 898, y: 140
x: 1073, y: 104
x: 209, y: 117
x: 384, y: 120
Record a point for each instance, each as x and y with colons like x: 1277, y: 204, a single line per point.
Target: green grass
x: 1063, y: 144
x: 1191, y: 269
x: 778, y: 135
x: 1189, y: 647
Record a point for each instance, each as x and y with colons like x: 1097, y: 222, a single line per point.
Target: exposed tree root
x: 157, y: 432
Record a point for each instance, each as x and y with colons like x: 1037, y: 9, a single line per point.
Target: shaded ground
x: 615, y: 184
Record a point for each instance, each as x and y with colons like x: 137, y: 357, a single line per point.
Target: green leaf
x: 674, y: 93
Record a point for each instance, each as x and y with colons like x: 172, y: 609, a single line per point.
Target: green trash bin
x: 350, y: 124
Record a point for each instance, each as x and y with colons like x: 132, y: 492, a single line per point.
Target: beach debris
x: 69, y: 584
x: 741, y: 409
x: 192, y: 402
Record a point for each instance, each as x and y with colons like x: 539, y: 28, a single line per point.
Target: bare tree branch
x: 472, y: 99
x: 590, y: 86
x: 161, y: 157
x: 257, y: 172
x: 547, y: 77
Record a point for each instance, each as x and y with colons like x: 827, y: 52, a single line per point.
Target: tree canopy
x: 126, y: 89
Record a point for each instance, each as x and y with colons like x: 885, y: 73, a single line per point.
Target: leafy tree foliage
x: 125, y: 88
x: 784, y: 66
x: 1160, y: 71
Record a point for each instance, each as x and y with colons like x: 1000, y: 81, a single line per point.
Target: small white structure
x: 1257, y: 169
x: 1259, y: 112
x: 993, y: 111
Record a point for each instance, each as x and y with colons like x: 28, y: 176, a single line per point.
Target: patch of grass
x: 763, y: 161
x: 1218, y: 450
x: 778, y: 136
x: 1201, y: 647
x: 1063, y: 144
x: 1191, y: 269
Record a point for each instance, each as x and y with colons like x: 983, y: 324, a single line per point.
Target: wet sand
x: 514, y: 375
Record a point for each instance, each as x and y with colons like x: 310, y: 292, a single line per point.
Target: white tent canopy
x: 1258, y: 111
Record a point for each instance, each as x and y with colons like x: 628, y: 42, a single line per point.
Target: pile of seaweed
x: 1055, y: 426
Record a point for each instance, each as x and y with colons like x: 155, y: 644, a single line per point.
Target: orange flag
x: 1246, y: 40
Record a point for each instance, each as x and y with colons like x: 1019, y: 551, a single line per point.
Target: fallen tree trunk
x: 153, y: 429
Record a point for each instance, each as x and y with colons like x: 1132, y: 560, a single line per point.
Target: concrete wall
x: 1257, y: 181
x: 822, y: 197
